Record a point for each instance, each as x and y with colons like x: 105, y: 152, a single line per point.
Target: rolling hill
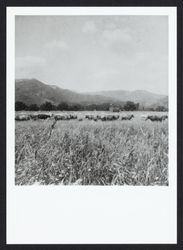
x: 32, y: 91
x: 145, y: 98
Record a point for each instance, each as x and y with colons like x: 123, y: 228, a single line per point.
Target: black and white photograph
x: 91, y: 100
x: 91, y: 125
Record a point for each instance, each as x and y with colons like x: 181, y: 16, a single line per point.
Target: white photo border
x: 91, y: 214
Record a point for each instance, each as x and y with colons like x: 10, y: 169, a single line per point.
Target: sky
x: 94, y: 53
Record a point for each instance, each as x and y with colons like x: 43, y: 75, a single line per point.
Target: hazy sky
x: 93, y: 53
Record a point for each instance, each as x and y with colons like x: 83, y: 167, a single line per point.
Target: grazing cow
x: 115, y: 117
x: 98, y: 117
x: 89, y: 117
x: 43, y: 116
x: 34, y: 117
x: 109, y: 117
x: 92, y: 117
x: 127, y: 117
x: 103, y: 118
x: 164, y: 117
x: 52, y: 116
x: 143, y: 117
x: 22, y: 117
x: 154, y: 118
x: 62, y: 117
x: 80, y: 119
x: 73, y: 116
x: 59, y: 117
x: 66, y: 117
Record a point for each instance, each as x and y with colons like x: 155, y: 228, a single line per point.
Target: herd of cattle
x: 104, y: 117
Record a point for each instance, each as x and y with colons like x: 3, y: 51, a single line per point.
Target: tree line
x: 63, y: 106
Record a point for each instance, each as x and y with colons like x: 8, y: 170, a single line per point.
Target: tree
x: 103, y: 106
x: 63, y: 106
x: 129, y: 106
x: 19, y: 106
x: 47, y: 106
x: 160, y: 108
x: 137, y: 106
x: 33, y: 107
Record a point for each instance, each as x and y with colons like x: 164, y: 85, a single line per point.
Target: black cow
x: 43, y: 116
x: 164, y: 117
x: 155, y: 118
x: 127, y: 117
x: 73, y: 116
x: 34, y: 117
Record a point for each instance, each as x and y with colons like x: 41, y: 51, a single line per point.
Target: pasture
x: 87, y: 152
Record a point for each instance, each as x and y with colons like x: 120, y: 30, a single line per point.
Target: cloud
x: 89, y: 27
x: 117, y: 35
x: 57, y: 45
x: 29, y: 66
x: 118, y: 41
x: 29, y: 61
x: 105, y: 74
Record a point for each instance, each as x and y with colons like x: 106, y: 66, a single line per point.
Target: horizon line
x: 85, y: 92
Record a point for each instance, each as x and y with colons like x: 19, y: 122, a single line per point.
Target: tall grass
x: 91, y: 153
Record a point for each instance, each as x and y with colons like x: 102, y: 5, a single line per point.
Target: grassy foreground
x: 91, y: 153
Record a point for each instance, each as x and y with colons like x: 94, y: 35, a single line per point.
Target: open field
x: 118, y: 152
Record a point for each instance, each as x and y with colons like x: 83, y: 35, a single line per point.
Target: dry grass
x: 92, y: 153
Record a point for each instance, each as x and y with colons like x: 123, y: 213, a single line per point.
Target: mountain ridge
x: 143, y: 97
x: 33, y: 91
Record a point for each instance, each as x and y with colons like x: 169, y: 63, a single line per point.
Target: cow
x: 87, y: 116
x: 109, y: 117
x: 43, y: 116
x: 73, y: 116
x: 62, y: 117
x: 90, y: 117
x: 66, y: 117
x: 103, y: 118
x: 95, y: 118
x: 155, y: 118
x: 98, y: 117
x: 34, y: 117
x: 164, y: 117
x: 143, y: 117
x: 59, y: 117
x: 22, y: 117
x: 115, y: 117
x: 127, y: 117
x: 80, y: 119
